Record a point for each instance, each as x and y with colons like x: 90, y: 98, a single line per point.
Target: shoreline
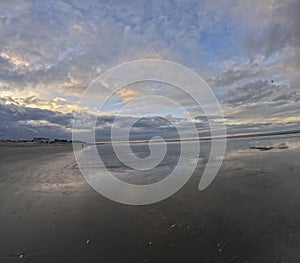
x: 50, y: 214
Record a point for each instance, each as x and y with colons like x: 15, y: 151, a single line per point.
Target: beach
x: 250, y: 212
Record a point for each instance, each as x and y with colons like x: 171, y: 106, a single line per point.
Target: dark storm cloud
x: 22, y: 122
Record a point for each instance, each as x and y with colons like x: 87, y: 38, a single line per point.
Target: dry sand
x: 250, y: 213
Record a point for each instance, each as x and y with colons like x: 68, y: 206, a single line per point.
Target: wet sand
x: 250, y: 213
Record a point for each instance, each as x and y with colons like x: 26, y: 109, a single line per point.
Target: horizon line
x: 203, y: 138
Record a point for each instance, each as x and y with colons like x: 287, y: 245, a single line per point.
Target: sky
x: 50, y: 51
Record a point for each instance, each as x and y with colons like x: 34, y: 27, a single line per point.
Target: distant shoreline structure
x: 41, y: 140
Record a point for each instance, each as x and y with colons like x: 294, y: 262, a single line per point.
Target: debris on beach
x: 269, y: 147
x: 262, y: 147
x: 282, y: 146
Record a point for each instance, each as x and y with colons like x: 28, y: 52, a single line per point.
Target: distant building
x: 41, y: 140
x: 60, y: 141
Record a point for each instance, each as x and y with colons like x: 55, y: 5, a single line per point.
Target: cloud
x: 17, y: 122
x: 22, y: 122
x: 128, y: 94
x: 230, y: 74
x: 279, y: 24
x: 252, y: 92
x: 51, y: 51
